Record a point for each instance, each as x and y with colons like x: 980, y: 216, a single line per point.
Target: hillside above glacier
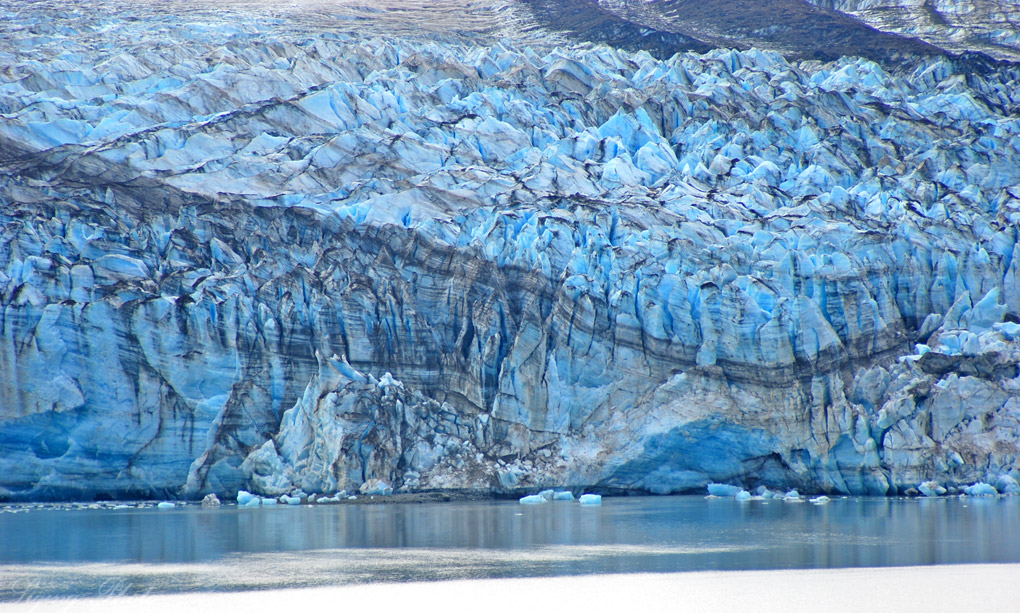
x: 985, y: 26
x: 277, y: 254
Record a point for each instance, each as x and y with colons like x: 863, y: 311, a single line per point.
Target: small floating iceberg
x: 533, y: 499
x: 723, y: 490
x: 743, y: 495
x: 590, y: 500
x: 980, y: 489
x: 166, y: 505
x: 563, y: 496
x: 820, y: 500
x: 1006, y: 484
x: 931, y: 489
x: 792, y: 496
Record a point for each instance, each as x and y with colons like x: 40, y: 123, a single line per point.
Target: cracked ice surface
x: 582, y: 266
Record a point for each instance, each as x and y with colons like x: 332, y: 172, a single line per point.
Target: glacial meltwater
x: 79, y: 552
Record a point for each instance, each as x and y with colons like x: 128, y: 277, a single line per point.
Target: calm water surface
x: 50, y: 552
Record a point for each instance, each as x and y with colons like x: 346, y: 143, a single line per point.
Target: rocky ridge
x: 985, y: 26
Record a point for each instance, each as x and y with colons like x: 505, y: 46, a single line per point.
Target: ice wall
x: 582, y: 266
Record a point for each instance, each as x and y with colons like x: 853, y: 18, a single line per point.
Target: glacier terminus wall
x: 253, y: 254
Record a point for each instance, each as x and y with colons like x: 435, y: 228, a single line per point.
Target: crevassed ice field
x: 490, y: 249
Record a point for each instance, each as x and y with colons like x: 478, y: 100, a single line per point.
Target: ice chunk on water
x: 590, y: 500
x: 243, y: 497
x: 211, y: 500
x: 743, y: 495
x: 563, y: 496
x: 292, y: 500
x: 269, y: 502
x: 722, y: 489
x: 166, y: 505
x: 533, y: 499
x: 931, y: 488
x: 820, y: 499
x: 792, y: 496
x: 1006, y: 484
x: 254, y: 501
x: 980, y: 489
x: 547, y: 494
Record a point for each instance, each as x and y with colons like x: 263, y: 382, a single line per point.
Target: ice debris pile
x: 244, y: 258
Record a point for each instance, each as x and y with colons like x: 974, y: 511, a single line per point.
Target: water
x: 84, y: 552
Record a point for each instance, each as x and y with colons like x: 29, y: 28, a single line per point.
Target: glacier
x: 267, y: 256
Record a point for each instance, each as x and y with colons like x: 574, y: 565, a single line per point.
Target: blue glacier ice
x: 252, y: 258
x: 980, y: 489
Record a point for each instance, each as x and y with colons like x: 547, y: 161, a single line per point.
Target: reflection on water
x: 87, y: 552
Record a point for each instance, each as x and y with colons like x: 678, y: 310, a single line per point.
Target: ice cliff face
x: 248, y: 256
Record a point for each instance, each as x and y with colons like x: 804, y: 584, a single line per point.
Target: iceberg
x: 723, y: 490
x: 590, y: 500
x: 1006, y: 484
x: 980, y: 489
x: 533, y: 499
